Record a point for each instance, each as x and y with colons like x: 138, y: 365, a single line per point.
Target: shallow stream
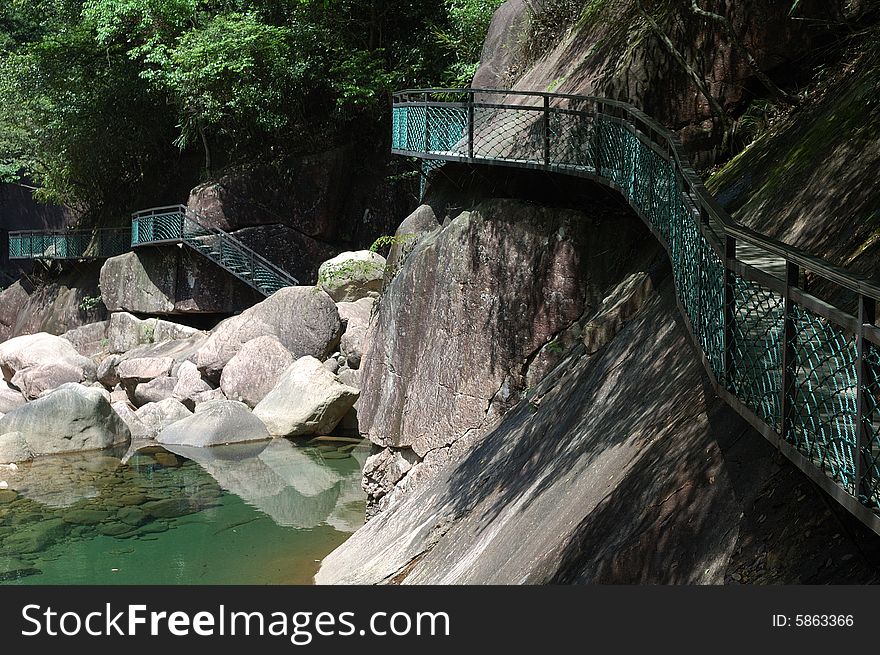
x: 263, y: 513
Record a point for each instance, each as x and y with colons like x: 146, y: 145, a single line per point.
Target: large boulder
x: 36, y: 362
x: 126, y: 332
x: 190, y: 383
x: 308, y: 399
x: 153, y: 391
x: 14, y: 448
x: 171, y: 280
x: 158, y: 416
x: 141, y: 282
x: 495, y: 285
x: 355, y: 340
x: 178, y: 351
x: 144, y: 369
x: 138, y: 429
x: 215, y: 423
x: 89, y: 340
x: 255, y: 370
x: 68, y: 420
x: 10, y: 397
x: 303, y: 319
x: 351, y: 276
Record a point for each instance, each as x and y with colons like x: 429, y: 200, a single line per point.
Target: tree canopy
x: 104, y: 99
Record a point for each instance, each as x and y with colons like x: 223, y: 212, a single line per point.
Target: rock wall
x: 810, y: 181
x: 51, y: 301
x: 470, y: 309
x: 610, y: 51
x: 171, y: 280
x: 621, y: 468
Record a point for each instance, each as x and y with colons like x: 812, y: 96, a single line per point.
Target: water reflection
x: 292, y: 485
x: 182, y: 515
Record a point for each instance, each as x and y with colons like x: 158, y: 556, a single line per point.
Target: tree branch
x: 698, y: 81
x: 740, y: 47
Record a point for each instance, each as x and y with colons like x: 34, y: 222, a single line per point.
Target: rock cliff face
x: 610, y: 51
x: 467, y: 314
x: 171, y: 280
x: 817, y: 168
x: 51, y: 303
x: 620, y: 468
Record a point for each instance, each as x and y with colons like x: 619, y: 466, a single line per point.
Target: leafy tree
x: 105, y: 100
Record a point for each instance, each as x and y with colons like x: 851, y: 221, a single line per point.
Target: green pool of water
x: 262, y: 513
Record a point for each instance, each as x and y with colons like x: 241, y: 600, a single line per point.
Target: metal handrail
x: 804, y: 373
x: 840, y: 276
x: 225, y: 238
x: 91, y: 246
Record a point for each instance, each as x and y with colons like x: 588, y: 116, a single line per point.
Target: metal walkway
x: 804, y: 373
x: 161, y: 225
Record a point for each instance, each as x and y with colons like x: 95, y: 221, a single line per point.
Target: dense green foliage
x: 106, y: 100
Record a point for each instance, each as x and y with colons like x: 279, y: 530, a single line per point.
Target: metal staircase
x: 180, y: 224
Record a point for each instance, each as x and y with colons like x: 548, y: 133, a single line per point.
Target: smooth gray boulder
x: 10, y: 397
x: 144, y: 284
x: 158, y: 416
x: 72, y: 419
x: 139, y: 430
x: 355, y: 340
x: 144, y: 369
x: 76, y: 386
x: 14, y: 448
x: 308, y: 399
x: 190, y: 383
x: 255, y: 370
x: 351, y: 276
x: 154, y: 391
x: 304, y: 320
x: 36, y: 362
x: 215, y: 423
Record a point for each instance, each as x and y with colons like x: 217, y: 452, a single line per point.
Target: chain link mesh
x: 823, y: 398
x: 758, y: 326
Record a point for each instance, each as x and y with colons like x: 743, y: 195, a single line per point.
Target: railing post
x: 546, y: 130
x: 862, y: 483
x: 597, y: 138
x: 729, y: 310
x: 470, y: 119
x: 789, y: 352
x: 427, y: 121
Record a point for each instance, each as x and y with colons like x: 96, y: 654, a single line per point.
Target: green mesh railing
x: 69, y: 244
x: 805, y: 373
x: 180, y: 224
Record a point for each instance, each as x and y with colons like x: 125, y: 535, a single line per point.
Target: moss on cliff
x: 811, y: 180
